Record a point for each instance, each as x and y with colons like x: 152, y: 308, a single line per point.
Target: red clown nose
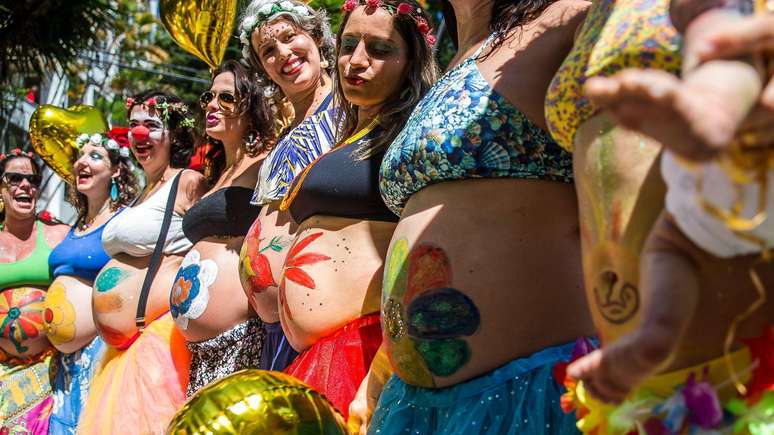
x: 140, y: 133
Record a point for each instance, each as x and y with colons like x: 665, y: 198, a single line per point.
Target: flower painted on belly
x: 254, y: 267
x: 21, y: 316
x: 59, y: 315
x: 425, y: 335
x: 190, y: 290
x: 293, y: 272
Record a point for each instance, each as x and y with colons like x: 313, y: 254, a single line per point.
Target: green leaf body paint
x: 444, y: 357
x: 108, y: 279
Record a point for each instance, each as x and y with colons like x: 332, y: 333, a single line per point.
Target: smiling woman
x: 25, y: 245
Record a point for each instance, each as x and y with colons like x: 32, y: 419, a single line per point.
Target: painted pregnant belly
x: 107, y: 301
x: 424, y: 318
x: 59, y: 316
x: 190, y: 292
x: 21, y: 316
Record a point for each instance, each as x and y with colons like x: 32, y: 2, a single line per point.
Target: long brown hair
x: 250, y: 103
x: 422, y: 73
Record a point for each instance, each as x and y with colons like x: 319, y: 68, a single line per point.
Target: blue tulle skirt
x: 71, y: 385
x: 521, y: 397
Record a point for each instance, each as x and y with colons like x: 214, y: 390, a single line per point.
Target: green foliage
x: 37, y: 35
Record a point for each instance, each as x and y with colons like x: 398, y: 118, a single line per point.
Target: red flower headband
x: 402, y: 9
x: 16, y: 152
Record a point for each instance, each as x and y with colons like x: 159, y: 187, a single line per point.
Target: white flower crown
x: 102, y: 141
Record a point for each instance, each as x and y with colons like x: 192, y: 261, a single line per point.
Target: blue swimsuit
x: 82, y: 257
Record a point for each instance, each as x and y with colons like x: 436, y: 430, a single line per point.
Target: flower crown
x: 250, y: 23
x: 17, y: 152
x: 402, y: 9
x: 103, y: 141
x: 163, y: 107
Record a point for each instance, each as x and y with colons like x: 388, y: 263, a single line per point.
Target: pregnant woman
x: 207, y: 302
x: 143, y: 377
x: 25, y: 245
x: 330, y: 291
x: 104, y: 184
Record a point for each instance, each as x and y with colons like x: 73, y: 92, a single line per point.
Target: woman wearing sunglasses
x: 290, y: 49
x: 207, y: 302
x: 103, y: 185
x: 25, y: 245
x: 143, y: 376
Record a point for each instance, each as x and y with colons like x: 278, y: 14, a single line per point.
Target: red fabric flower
x: 120, y: 135
x: 373, y: 3
x: 151, y: 101
x: 45, y: 216
x: 430, y: 40
x: 349, y: 5
x: 422, y: 25
x: 404, y: 8
x: 129, y: 102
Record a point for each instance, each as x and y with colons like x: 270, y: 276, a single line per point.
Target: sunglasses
x: 226, y: 100
x: 16, y: 178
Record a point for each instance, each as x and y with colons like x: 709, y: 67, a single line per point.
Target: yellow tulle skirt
x: 139, y: 390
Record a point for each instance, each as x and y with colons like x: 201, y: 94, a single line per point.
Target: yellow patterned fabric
x: 25, y: 396
x: 617, y: 34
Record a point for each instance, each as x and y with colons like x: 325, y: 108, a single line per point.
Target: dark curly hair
x: 182, y: 138
x: 422, y: 73
x: 127, y: 183
x: 250, y: 103
x: 506, y: 16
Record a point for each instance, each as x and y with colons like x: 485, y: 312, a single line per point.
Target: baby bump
x: 67, y: 314
x: 206, y: 298
x: 620, y: 195
x: 22, y: 330
x: 116, y: 295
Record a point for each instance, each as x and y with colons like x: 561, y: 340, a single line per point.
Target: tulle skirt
x: 139, y: 390
x: 336, y: 365
x: 521, y: 397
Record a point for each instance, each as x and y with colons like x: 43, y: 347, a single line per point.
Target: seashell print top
x: 463, y: 129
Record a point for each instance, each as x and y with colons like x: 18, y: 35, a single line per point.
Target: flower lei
x: 402, y: 9
x: 250, y: 23
x: 16, y: 152
x: 103, y: 141
x: 164, y: 108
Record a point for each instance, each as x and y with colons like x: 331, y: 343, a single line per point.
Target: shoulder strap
x: 153, y: 266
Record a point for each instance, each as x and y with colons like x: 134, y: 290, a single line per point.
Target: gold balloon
x: 257, y: 402
x: 201, y: 27
x: 53, y: 131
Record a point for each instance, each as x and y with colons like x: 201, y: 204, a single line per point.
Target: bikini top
x: 227, y: 212
x: 30, y: 270
x: 293, y: 152
x: 464, y: 129
x: 136, y: 230
x: 616, y: 34
x: 81, y: 256
x: 338, y: 184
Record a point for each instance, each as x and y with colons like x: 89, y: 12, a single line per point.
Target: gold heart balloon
x: 201, y: 27
x: 53, y: 131
x: 257, y: 402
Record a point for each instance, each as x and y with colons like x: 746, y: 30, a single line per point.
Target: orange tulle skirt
x: 139, y: 390
x: 336, y: 365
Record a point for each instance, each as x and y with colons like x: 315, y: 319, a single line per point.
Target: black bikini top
x: 227, y: 212
x: 338, y: 184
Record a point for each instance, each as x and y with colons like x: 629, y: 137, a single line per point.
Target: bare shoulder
x: 192, y: 186
x: 251, y: 167
x: 566, y: 13
x: 55, y: 232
